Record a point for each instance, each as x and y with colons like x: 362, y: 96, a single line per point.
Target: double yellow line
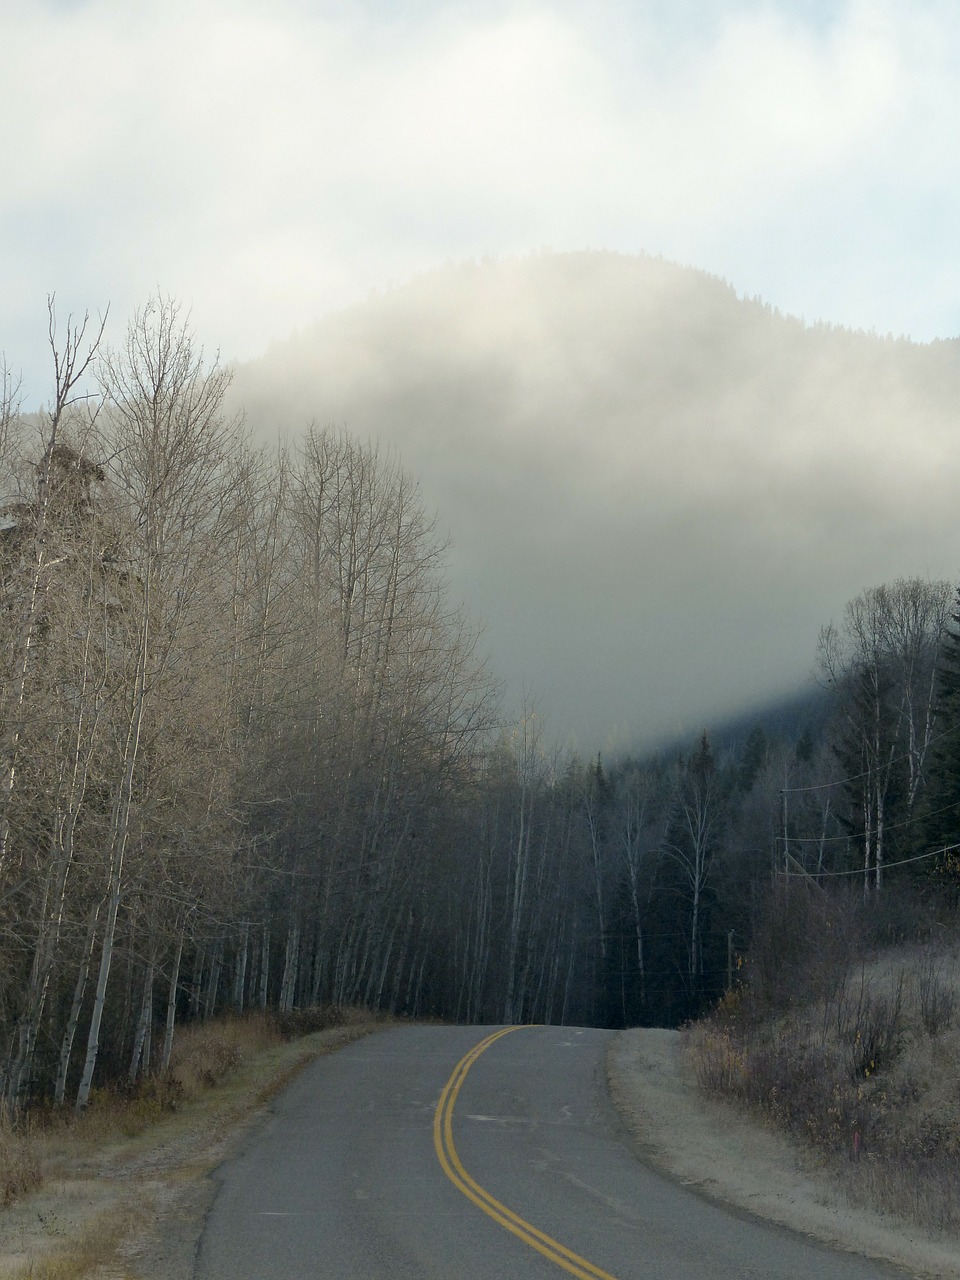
x: 450, y: 1163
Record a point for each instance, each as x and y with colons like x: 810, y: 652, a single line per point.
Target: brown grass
x: 90, y: 1252
x: 205, y: 1055
x: 174, y: 1126
x: 19, y: 1163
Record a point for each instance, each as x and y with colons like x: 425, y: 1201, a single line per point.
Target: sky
x: 269, y: 161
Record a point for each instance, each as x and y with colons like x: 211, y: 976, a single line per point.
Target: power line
x: 859, y: 835
x: 857, y: 777
x: 884, y: 866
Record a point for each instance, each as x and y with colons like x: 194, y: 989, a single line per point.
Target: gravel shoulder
x: 135, y: 1209
x: 731, y: 1157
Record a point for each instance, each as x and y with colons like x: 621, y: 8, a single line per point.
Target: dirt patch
x: 135, y: 1210
x: 730, y: 1156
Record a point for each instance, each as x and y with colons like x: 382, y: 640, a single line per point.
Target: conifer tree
x: 941, y: 813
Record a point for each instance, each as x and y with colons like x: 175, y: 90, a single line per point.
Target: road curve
x: 473, y: 1153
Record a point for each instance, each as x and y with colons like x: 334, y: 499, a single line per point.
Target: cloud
x: 268, y: 162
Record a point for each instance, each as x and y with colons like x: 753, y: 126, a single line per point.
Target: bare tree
x: 73, y: 357
x: 692, y: 841
x: 169, y: 444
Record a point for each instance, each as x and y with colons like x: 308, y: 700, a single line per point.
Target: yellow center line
x: 450, y: 1163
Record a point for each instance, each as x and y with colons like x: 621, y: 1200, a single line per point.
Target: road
x: 470, y: 1153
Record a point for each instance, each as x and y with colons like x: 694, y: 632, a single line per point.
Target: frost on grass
x: 863, y: 1069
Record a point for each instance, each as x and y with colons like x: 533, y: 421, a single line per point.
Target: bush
x: 719, y: 1062
x: 937, y: 998
x: 803, y: 945
x: 863, y: 1070
x: 872, y: 1030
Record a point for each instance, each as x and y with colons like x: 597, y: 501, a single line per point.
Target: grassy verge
x: 20, y: 1171
x: 80, y: 1194
x: 864, y: 1069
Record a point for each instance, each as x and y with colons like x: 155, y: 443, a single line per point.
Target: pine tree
x: 941, y: 813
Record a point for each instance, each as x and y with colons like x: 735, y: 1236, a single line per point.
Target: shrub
x: 719, y: 1062
x: 804, y: 942
x: 205, y: 1053
x: 862, y: 1070
x: 937, y: 999
x: 872, y: 1030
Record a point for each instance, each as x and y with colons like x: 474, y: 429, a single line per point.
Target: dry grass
x: 171, y: 1130
x: 20, y: 1171
x: 205, y: 1055
x: 867, y: 1073
x: 90, y: 1252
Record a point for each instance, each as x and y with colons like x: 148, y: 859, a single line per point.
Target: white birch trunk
x: 66, y: 1047
x: 171, y: 1018
x: 141, y: 1040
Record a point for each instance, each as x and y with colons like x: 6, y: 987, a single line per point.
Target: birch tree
x: 692, y: 841
x: 73, y: 355
x: 169, y: 442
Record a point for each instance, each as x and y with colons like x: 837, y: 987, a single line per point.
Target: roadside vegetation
x: 76, y: 1189
x: 845, y: 1033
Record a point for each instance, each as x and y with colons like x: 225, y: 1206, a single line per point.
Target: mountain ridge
x: 614, y: 440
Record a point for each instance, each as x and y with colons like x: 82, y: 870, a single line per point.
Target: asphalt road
x: 458, y: 1153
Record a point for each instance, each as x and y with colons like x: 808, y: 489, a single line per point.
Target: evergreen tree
x: 941, y: 812
x: 753, y: 758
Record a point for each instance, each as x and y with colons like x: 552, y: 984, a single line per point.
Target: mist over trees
x: 251, y: 755
x: 622, y: 448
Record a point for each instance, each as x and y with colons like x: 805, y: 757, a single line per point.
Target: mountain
x: 657, y: 491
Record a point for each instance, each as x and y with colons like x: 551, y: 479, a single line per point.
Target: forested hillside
x: 250, y: 756
x: 657, y: 490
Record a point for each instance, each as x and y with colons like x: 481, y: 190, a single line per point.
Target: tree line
x: 250, y: 756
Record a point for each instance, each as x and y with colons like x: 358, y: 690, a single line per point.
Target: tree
x: 640, y: 810
x: 73, y: 357
x: 881, y: 666
x: 52, y: 585
x: 691, y: 843
x: 169, y: 441
x: 72, y: 683
x: 941, y: 807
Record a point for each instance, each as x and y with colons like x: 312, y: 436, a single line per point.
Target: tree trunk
x: 66, y: 1047
x: 172, y: 1005
x: 240, y: 969
x: 141, y: 1039
x: 265, y: 967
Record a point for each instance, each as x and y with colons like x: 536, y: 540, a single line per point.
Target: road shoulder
x: 731, y: 1157
x: 136, y: 1209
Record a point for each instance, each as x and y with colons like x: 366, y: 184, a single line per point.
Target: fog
x: 267, y: 163
x: 657, y: 492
